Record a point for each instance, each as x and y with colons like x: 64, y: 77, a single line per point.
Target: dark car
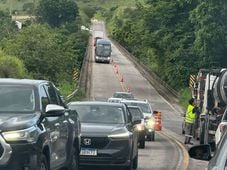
x: 149, y: 119
x: 108, y: 136
x: 135, y: 110
x: 37, y: 130
x: 203, y: 152
x: 123, y: 95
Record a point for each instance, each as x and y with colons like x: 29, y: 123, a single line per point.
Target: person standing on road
x: 189, y: 121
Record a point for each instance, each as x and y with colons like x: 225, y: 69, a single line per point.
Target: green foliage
x: 173, y: 38
x: 7, y: 27
x: 79, y: 96
x: 57, y: 12
x: 11, y: 67
x: 65, y: 87
x: 46, y: 53
x: 185, y: 95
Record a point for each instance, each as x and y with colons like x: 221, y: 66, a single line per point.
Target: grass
x: 12, y: 5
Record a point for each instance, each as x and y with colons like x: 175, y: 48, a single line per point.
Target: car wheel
x: 151, y: 136
x: 74, y: 162
x: 43, y: 163
x: 142, y: 144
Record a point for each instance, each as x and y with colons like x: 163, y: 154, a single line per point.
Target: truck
x: 210, y: 92
x: 103, y: 51
x: 98, y: 35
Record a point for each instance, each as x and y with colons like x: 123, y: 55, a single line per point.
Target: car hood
x: 97, y: 129
x: 10, y: 122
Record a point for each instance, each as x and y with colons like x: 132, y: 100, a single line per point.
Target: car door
x: 132, y: 129
x: 59, y: 133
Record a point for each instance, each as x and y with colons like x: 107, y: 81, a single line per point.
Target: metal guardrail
x: 82, y: 81
x: 162, y: 87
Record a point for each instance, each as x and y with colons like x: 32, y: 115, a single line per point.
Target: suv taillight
x: 222, y: 126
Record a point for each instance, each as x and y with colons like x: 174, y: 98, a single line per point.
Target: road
x: 122, y: 75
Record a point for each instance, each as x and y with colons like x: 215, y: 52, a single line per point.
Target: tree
x: 11, y: 67
x: 57, y: 12
x: 209, y: 18
x: 7, y: 26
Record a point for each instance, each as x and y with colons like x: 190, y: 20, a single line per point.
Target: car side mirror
x: 201, y: 152
x: 53, y: 110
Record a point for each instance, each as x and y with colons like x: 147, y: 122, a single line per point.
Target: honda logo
x: 87, y: 141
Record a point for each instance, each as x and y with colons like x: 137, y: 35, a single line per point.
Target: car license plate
x: 88, y: 152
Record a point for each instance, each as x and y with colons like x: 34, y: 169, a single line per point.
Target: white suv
x: 148, y: 116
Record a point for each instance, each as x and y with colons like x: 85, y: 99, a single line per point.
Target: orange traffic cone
x: 158, y: 121
x: 122, y: 79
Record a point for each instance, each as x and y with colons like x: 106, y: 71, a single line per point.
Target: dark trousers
x: 189, y: 127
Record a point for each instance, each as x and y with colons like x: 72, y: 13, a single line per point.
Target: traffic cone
x: 116, y: 71
x: 122, y: 79
x: 158, y: 121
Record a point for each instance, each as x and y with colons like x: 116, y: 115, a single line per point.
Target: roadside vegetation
x: 48, y: 47
x: 173, y: 38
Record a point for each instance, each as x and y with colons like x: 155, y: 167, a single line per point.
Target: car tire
x: 142, y: 144
x: 130, y: 166
x: 43, y: 165
x: 151, y: 136
x: 74, y: 162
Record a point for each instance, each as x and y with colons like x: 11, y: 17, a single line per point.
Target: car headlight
x: 139, y: 127
x: 150, y: 123
x: 28, y: 135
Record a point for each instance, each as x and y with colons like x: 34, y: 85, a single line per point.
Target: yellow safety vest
x: 190, y: 117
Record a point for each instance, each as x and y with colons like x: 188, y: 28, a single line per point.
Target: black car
x: 108, y: 136
x: 135, y: 110
x: 37, y: 131
x: 203, y: 152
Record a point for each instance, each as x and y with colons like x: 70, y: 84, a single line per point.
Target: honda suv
x: 37, y: 131
x: 108, y: 135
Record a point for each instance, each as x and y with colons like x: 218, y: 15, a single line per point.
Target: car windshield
x: 100, y: 114
x: 136, y: 112
x: 143, y: 106
x: 123, y: 95
x: 16, y: 99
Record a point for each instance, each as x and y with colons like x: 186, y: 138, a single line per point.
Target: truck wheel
x: 43, y: 163
x: 202, y: 133
x: 74, y: 162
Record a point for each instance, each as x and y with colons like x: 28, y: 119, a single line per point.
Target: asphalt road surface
x: 122, y: 75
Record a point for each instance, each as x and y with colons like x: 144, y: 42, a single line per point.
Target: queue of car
x: 40, y: 131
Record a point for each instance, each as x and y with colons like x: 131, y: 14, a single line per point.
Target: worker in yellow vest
x: 189, y: 121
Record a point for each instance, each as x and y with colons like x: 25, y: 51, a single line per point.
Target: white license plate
x: 88, y: 152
